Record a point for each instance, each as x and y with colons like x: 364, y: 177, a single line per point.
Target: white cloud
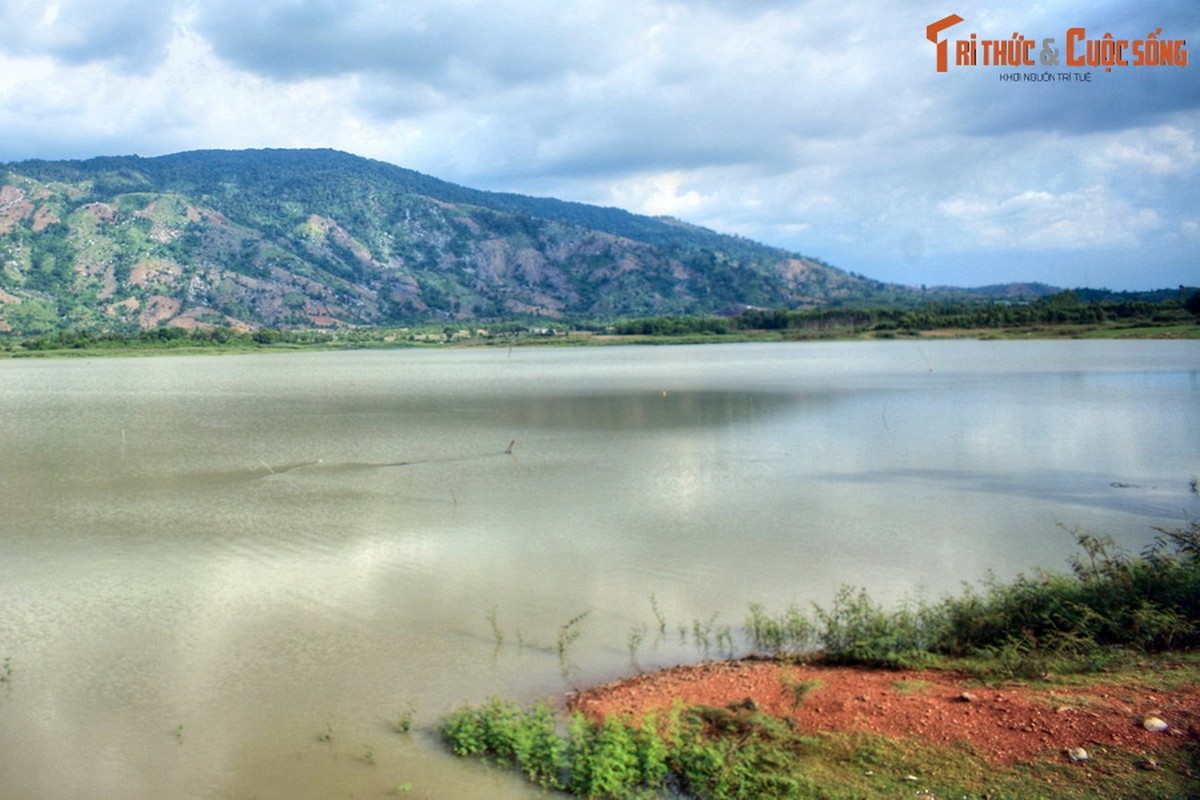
x: 662, y: 194
x: 1158, y: 151
x: 1089, y: 217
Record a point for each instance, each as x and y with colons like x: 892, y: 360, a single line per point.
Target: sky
x: 820, y: 126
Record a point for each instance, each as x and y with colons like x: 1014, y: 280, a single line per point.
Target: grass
x: 910, y: 686
x: 799, y: 690
x: 867, y: 766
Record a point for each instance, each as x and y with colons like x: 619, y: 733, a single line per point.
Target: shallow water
x: 207, y: 563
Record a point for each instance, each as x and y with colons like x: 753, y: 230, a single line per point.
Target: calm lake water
x: 207, y: 563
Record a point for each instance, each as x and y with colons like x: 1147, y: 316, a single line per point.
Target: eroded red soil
x: 1003, y: 725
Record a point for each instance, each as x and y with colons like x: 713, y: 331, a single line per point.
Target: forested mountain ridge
x: 307, y: 238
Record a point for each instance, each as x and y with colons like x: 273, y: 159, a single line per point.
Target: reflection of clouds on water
x: 1111, y: 491
x: 644, y: 410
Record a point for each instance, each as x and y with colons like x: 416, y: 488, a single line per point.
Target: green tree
x: 32, y: 317
x: 1192, y: 304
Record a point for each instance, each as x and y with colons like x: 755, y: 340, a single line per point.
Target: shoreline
x: 118, y: 349
x: 1005, y: 723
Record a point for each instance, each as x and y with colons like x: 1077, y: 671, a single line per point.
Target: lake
x: 226, y: 577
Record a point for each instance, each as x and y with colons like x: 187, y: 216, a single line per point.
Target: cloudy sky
x: 821, y: 126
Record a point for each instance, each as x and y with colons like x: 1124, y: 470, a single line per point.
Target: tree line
x: 1063, y: 308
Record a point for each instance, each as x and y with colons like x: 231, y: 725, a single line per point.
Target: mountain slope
x: 320, y: 238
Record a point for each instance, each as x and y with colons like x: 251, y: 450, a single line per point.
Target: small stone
x: 966, y: 697
x: 1148, y: 764
x: 912, y: 778
x: 1155, y: 724
x: 1077, y: 754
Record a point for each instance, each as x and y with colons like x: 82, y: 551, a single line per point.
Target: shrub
x: 857, y: 630
x: 523, y: 738
x: 792, y: 633
x: 712, y: 754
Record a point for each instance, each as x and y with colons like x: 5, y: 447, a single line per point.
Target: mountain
x: 303, y: 238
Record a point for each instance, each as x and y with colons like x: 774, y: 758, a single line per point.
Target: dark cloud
x: 134, y: 33
x: 1130, y: 98
x: 976, y: 101
x: 458, y: 48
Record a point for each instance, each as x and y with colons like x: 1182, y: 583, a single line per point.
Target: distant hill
x: 303, y: 238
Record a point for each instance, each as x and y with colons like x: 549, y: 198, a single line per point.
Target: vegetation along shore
x: 1077, y: 685
x: 1063, y: 315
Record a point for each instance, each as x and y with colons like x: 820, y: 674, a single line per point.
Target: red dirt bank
x: 1004, y: 725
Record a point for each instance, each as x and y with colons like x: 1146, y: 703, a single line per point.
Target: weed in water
x: 701, y: 637
x: 706, y: 637
x: 636, y: 635
x: 725, y: 641
x: 404, y: 720
x: 327, y: 734
x: 178, y: 733
x: 368, y: 754
x: 6, y: 671
x: 568, y: 633
x: 789, y: 634
x: 497, y: 634
x: 658, y: 615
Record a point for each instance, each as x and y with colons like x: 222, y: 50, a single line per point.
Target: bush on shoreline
x: 1110, y: 601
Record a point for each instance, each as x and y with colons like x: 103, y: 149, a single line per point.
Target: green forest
x: 1108, y: 310
x: 1058, y: 315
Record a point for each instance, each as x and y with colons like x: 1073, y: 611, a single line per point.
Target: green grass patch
x: 911, y: 686
x: 869, y: 766
x: 800, y: 690
x: 737, y: 752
